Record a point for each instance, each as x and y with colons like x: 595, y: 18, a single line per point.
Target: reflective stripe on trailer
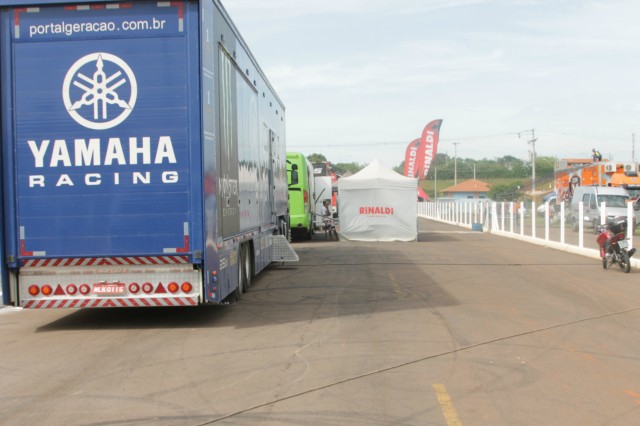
x: 100, y: 6
x: 102, y: 261
x: 111, y: 302
x: 16, y: 17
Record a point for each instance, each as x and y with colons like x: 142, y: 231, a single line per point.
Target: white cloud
x: 260, y: 10
x: 368, y: 71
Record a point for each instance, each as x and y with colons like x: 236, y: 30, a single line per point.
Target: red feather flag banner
x: 428, y: 147
x: 421, y: 152
x: 410, y: 157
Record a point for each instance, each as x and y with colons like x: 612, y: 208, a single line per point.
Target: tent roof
x: 377, y: 175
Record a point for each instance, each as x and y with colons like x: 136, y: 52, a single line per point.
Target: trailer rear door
x: 102, y: 123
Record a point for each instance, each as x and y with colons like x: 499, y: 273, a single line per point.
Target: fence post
x: 630, y: 224
x: 581, y: 224
x: 562, y: 222
x: 533, y: 219
x: 511, y: 206
x: 546, y: 221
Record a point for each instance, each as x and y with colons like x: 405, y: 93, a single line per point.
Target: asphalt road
x: 459, y: 328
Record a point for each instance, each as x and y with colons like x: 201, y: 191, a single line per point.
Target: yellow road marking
x: 446, y: 405
x: 394, y: 283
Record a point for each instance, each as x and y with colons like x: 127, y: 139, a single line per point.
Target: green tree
x: 504, y: 192
x: 316, y: 158
x: 342, y: 168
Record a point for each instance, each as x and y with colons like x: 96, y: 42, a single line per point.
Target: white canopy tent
x: 378, y: 204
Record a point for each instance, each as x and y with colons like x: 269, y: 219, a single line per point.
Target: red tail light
x: 306, y: 196
x: 186, y: 287
x: 84, y: 289
x: 72, y: 289
x: 147, y: 288
x: 173, y: 287
x: 134, y: 288
x: 47, y: 290
x: 34, y: 290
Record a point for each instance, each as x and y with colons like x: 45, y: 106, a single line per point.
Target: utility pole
x: 435, y: 185
x: 455, y: 163
x: 532, y: 141
x: 633, y: 147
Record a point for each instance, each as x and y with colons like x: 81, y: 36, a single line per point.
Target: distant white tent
x: 378, y: 204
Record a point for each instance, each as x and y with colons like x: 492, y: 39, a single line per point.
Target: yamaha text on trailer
x: 143, y: 155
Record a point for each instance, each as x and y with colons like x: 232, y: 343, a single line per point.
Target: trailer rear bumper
x: 110, y: 286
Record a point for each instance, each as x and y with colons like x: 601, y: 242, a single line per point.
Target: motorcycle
x: 614, y: 246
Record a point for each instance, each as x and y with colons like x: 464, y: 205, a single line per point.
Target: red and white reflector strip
x: 107, y: 261
x: 180, y: 6
x: 110, y: 302
x: 185, y: 241
x: 23, y: 245
x: 99, y: 6
x: 16, y: 17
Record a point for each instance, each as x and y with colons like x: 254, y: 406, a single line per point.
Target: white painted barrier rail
x: 552, y: 227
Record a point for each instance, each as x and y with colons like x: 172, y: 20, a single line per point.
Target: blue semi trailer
x: 143, y: 155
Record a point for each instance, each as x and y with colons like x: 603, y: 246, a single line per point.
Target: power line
x: 359, y: 144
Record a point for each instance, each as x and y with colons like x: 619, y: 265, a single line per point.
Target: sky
x: 361, y: 78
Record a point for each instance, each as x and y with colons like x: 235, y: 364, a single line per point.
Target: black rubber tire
x: 624, y: 263
x: 604, y: 263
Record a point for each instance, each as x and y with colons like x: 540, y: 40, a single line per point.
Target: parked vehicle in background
x: 143, y: 152
x: 592, y: 197
x: 301, y: 195
x: 613, y: 244
x: 553, y: 202
x: 571, y: 173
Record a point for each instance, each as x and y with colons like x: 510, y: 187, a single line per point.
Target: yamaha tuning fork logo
x: 99, y: 91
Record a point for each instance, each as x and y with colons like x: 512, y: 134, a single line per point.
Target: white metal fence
x: 551, y: 227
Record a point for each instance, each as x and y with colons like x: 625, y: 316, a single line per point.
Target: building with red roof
x: 468, y: 190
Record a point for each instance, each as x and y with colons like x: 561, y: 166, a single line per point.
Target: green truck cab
x: 301, y: 195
